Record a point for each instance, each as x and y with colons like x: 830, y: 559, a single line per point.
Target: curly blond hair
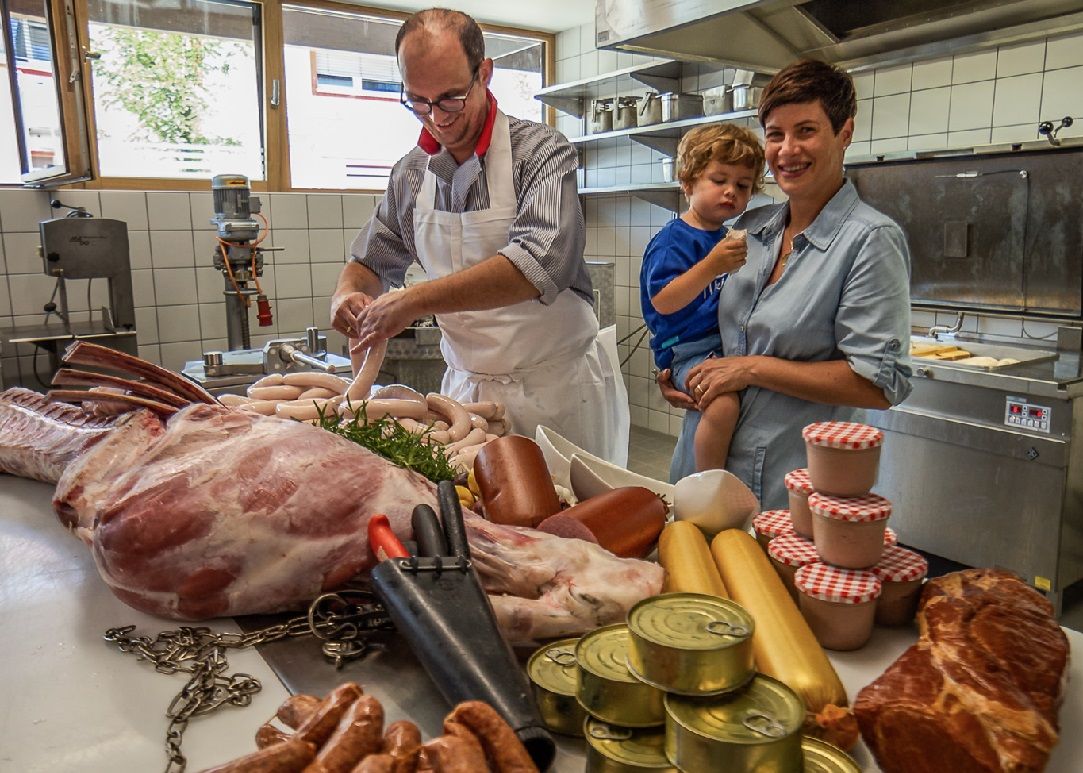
x: 725, y: 143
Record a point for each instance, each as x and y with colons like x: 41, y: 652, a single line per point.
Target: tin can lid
x: 847, y: 435
x: 604, y: 653
x: 637, y: 747
x: 764, y: 711
x: 900, y: 565
x: 799, y: 481
x: 831, y: 583
x: 793, y: 550
x: 822, y: 757
x: 870, y: 507
x: 690, y: 621
x: 890, y: 537
x: 552, y: 667
x: 773, y: 522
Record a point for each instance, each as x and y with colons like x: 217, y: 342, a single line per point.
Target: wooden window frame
x: 275, y: 139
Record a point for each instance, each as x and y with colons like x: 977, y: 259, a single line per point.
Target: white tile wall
x: 998, y: 95
x: 177, y: 292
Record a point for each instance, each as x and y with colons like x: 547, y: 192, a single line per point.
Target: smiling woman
x: 813, y: 326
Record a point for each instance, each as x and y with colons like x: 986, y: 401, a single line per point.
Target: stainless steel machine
x: 77, y: 246
x: 240, y: 259
x: 984, y: 462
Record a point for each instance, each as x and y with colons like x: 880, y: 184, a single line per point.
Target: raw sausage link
x: 450, y: 754
x: 452, y: 410
x: 367, y: 373
x: 323, y: 721
x: 399, y: 409
x: 303, y: 409
x: 318, y: 393
x: 269, y: 735
x: 287, y: 757
x: 359, y: 734
x: 282, y: 392
x: 486, y: 409
x: 403, y: 742
x: 274, y: 379
x: 309, y: 380
x: 233, y: 401
x: 505, y: 752
x: 296, y: 709
x: 398, y: 392
x: 262, y: 407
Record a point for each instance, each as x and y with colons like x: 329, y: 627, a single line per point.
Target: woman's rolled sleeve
x: 873, y: 321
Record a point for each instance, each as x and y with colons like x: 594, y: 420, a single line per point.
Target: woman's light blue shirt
x: 844, y: 294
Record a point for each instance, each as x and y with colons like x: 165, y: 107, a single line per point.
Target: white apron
x: 543, y: 362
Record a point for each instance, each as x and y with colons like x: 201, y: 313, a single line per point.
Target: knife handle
x: 382, y: 540
x: 428, y: 533
x: 452, y: 515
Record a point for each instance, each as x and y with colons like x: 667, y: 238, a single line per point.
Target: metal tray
x: 1026, y: 357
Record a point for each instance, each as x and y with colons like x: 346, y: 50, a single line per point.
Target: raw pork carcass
x: 39, y: 438
x: 544, y: 587
x: 219, y: 512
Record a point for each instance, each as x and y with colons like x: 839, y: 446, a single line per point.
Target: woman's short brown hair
x: 725, y: 143
x: 807, y: 81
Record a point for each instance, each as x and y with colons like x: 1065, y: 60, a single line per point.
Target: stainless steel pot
x: 650, y: 112
x: 747, y: 97
x: 600, y: 118
x: 676, y: 107
x: 627, y: 113
x: 717, y: 100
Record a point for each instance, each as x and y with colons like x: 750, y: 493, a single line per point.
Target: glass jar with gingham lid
x: 849, y: 531
x: 838, y: 604
x: 901, y: 573
x: 843, y: 456
x: 789, y: 552
x: 770, y: 524
x: 798, y: 488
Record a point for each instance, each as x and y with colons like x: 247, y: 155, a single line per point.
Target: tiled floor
x: 649, y: 453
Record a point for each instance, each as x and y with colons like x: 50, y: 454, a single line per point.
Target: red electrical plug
x: 263, y: 311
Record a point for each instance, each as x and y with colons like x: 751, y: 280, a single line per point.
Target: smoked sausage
x: 504, y: 750
x: 290, y: 756
x: 269, y: 735
x: 296, y: 709
x: 322, y: 722
x: 514, y: 481
x: 625, y: 521
x: 359, y: 734
x: 402, y: 742
x: 450, y: 754
x: 376, y: 763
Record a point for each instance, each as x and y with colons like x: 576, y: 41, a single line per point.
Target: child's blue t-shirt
x: 672, y: 251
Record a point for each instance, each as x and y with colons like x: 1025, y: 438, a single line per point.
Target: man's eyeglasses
x: 422, y: 106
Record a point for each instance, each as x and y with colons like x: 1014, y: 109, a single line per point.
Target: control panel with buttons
x: 1018, y: 412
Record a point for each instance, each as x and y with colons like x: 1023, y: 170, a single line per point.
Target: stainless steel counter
x: 84, y: 708
x: 986, y: 467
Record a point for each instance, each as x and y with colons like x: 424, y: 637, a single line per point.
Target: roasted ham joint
x: 568, y: 612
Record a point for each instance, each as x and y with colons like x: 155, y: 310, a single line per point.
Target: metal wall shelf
x: 662, y: 137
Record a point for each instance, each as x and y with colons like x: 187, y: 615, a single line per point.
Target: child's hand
x: 730, y: 253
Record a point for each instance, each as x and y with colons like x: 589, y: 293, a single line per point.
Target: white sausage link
x: 453, y: 411
x: 370, y: 369
x: 310, y: 379
x: 282, y: 392
x: 274, y: 379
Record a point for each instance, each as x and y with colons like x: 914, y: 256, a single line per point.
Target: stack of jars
x: 672, y: 690
x: 838, y: 558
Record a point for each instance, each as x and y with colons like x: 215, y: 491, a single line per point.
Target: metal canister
x: 691, y: 643
x: 822, y: 757
x: 627, y: 113
x: 755, y: 728
x: 650, y: 112
x: 552, y: 676
x: 605, y: 687
x: 612, y: 749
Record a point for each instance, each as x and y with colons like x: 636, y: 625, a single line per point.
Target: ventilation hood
x: 768, y: 34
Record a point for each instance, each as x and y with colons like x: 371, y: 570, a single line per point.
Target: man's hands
x: 368, y: 320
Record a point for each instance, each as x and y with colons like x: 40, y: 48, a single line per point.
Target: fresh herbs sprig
x: 392, y: 441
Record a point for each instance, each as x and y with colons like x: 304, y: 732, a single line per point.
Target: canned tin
x: 822, y: 757
x: 612, y: 749
x: 552, y: 677
x: 691, y: 643
x: 757, y: 728
x: 605, y: 687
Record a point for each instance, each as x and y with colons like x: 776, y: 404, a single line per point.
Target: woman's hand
x: 717, y: 375
x: 672, y: 395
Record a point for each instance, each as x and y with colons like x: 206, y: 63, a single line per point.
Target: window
x: 346, y: 126
x: 167, y: 93
x: 32, y: 144
x: 176, y: 88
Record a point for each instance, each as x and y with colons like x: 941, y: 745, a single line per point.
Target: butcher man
x: 488, y: 205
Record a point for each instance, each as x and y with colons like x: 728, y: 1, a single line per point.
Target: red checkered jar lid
x: 841, y: 586
x: 772, y: 523
x: 899, y: 565
x: 847, y: 435
x: 791, y: 549
x: 871, y: 507
x: 890, y: 537
x: 798, y: 480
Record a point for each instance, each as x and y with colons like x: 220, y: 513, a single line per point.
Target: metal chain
x: 343, y: 621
